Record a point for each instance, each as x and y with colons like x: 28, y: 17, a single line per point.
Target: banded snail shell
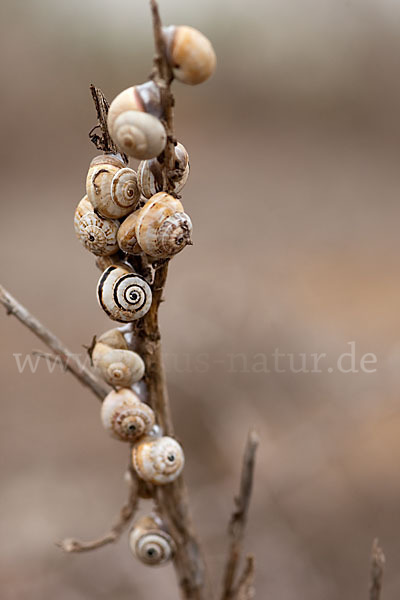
x: 125, y: 417
x: 98, y: 235
x: 150, y: 542
x: 124, y: 296
x: 158, y: 460
x: 134, y: 121
x: 112, y: 187
x: 119, y: 367
x: 150, y: 178
x: 160, y: 228
x: 190, y: 54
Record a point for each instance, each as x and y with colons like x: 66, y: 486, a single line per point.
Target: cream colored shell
x: 123, y: 295
x: 150, y: 542
x: 190, y: 54
x: 160, y: 228
x: 118, y: 367
x: 125, y: 417
x: 97, y: 234
x: 113, y: 338
x: 112, y: 187
x: 158, y: 460
x: 134, y: 121
x: 150, y: 179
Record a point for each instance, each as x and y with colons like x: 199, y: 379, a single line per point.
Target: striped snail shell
x: 190, y: 54
x: 158, y: 460
x: 98, y: 235
x: 123, y: 295
x: 117, y: 366
x: 150, y: 542
x: 125, y: 417
x: 134, y: 121
x: 150, y: 178
x: 160, y: 228
x: 112, y: 187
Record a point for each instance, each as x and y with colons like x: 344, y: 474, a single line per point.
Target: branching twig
x: 377, y: 566
x: 104, y: 142
x: 69, y: 360
x: 238, y: 521
x: 121, y: 523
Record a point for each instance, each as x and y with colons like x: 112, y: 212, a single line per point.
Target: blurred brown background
x: 293, y: 193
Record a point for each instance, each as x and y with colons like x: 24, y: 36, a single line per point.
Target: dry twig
x: 69, y: 360
x: 377, y: 566
x: 237, y: 526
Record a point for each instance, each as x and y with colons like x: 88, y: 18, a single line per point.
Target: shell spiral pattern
x: 123, y: 295
x: 158, y: 460
x: 98, y: 235
x: 118, y: 366
x: 149, y: 543
x: 125, y: 417
x: 150, y: 179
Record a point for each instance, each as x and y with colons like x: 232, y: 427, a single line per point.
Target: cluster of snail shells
x: 150, y: 542
x: 135, y: 115
x: 115, y: 363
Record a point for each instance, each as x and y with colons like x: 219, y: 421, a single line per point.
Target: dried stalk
x: 237, y: 526
x: 376, y: 573
x: 68, y: 359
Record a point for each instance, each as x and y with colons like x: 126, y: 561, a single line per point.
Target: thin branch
x: 245, y: 587
x: 121, y: 523
x: 69, y: 360
x: 376, y: 571
x: 238, y: 520
x: 103, y: 142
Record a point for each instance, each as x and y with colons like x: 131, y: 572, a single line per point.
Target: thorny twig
x: 68, y: 359
x: 238, y: 521
x: 377, y: 566
x: 121, y: 523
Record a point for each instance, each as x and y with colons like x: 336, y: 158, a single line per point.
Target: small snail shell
x: 113, y: 338
x: 96, y: 234
x: 134, y: 121
x: 150, y: 177
x: 158, y: 460
x: 150, y: 542
x: 160, y: 228
x: 118, y: 367
x: 112, y: 187
x: 190, y: 54
x: 125, y: 417
x: 123, y: 295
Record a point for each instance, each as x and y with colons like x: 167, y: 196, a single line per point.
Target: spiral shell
x: 123, y: 295
x: 125, y: 417
x: 119, y: 367
x: 134, y: 121
x: 150, y: 178
x: 112, y: 187
x: 190, y: 54
x: 160, y: 228
x: 158, y: 460
x: 150, y: 542
x: 98, y: 235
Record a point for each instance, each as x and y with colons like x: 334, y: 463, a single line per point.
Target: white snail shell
x: 123, y: 295
x: 190, y: 54
x: 125, y: 417
x: 150, y: 179
x: 160, y: 228
x: 119, y: 367
x: 150, y: 542
x: 134, y: 121
x: 98, y: 235
x: 158, y: 460
x: 112, y: 187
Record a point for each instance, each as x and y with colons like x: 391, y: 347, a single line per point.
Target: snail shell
x: 134, y: 121
x: 113, y: 338
x: 190, y: 54
x: 123, y: 295
x: 158, y: 460
x: 125, y: 417
x: 150, y: 177
x: 160, y: 228
x: 112, y: 187
x: 150, y: 542
x: 98, y: 235
x: 118, y: 367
